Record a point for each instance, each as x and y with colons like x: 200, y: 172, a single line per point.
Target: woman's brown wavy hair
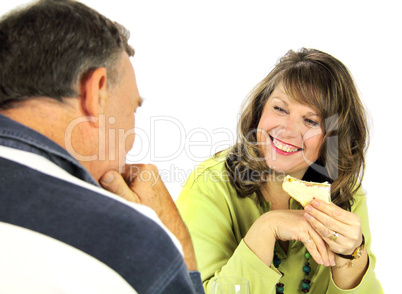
x: 318, y: 80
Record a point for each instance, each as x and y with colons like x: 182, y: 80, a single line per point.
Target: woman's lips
x: 284, y: 148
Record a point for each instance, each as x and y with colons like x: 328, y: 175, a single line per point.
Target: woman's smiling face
x: 289, y: 134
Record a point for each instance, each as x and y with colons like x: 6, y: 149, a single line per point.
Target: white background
x: 196, y: 61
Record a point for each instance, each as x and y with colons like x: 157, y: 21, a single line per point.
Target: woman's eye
x: 311, y: 122
x: 277, y: 108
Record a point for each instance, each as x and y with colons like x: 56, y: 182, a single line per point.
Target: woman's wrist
x: 356, y: 253
x: 260, y: 238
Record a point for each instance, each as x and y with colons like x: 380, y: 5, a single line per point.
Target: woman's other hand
x: 286, y: 225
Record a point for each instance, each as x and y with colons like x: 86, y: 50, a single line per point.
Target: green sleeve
x: 369, y: 283
x: 217, y: 245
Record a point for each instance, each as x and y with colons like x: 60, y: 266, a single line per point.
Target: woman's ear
x: 94, y: 93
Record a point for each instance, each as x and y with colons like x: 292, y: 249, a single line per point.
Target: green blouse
x: 218, y: 220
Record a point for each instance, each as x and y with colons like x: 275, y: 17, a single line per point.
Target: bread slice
x: 304, y: 192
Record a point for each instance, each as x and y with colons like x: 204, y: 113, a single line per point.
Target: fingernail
x: 307, y: 216
x: 308, y: 209
x: 108, y: 178
x: 315, y: 203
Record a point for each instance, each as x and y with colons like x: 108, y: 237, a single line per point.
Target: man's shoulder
x: 48, y: 264
x: 118, y: 235
x: 50, y: 197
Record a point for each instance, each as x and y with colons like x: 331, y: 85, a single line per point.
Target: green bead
x: 306, y: 269
x: 306, y: 286
x: 277, y: 261
x: 280, y: 289
x: 307, y: 255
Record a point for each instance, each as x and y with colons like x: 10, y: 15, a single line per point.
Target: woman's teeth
x: 284, y: 147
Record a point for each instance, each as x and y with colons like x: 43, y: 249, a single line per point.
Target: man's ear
x: 94, y: 93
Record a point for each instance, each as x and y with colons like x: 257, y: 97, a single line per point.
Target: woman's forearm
x: 347, y: 274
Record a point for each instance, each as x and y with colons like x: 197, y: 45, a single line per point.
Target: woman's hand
x: 286, y: 225
x: 339, y: 228
x: 342, y: 232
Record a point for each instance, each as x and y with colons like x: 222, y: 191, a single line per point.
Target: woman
x: 305, y: 119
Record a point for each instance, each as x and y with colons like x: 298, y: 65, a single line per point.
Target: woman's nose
x: 291, y: 127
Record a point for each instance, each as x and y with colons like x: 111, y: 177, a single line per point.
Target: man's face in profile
x: 120, y: 106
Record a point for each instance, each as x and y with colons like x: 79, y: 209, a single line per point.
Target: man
x: 67, y: 100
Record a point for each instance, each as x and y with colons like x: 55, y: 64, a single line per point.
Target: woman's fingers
x: 312, y: 249
x: 318, y: 249
x: 289, y: 225
x: 340, y: 229
x: 333, y: 213
x: 325, y: 229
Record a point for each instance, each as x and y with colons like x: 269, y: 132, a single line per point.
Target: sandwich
x: 304, y: 192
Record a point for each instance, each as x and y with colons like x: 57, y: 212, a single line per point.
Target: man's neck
x: 39, y: 117
x: 47, y: 116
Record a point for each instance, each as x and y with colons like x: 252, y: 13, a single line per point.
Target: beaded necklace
x: 306, y: 283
